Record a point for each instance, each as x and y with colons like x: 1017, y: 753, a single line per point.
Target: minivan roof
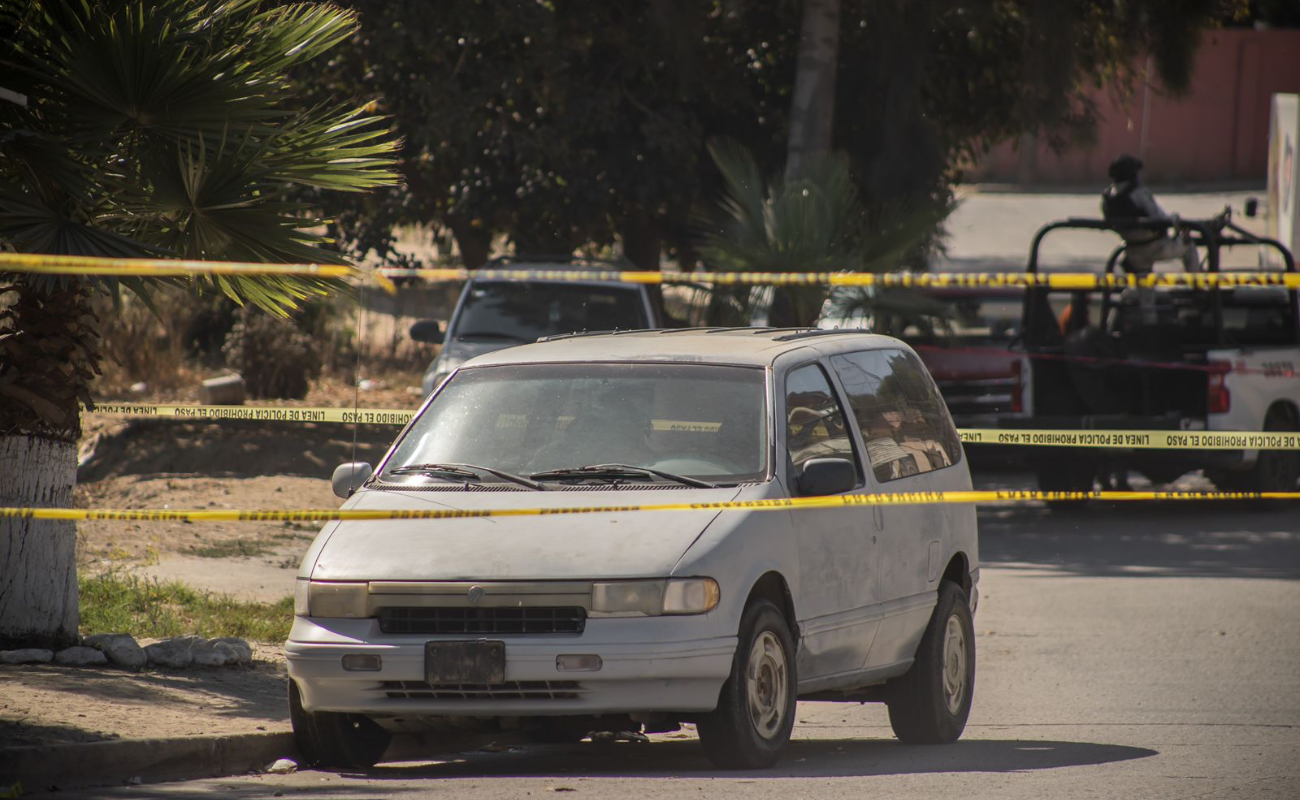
x: 744, y: 346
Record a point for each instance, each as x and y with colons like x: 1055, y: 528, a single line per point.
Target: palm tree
x: 809, y: 222
x: 164, y: 128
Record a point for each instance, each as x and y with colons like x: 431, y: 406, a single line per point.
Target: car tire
x: 751, y: 725
x: 930, y: 704
x: 332, y: 739
x: 1066, y: 477
x: 1274, y: 470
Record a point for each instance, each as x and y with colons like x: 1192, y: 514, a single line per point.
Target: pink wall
x: 1217, y: 133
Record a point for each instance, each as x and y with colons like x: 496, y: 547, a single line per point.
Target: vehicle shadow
x: 817, y: 758
x: 1182, y: 538
x: 1115, y: 540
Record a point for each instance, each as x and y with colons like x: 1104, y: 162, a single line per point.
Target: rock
x: 174, y: 652
x: 282, y: 766
x: 121, y: 649
x: 80, y: 657
x: 228, y: 390
x: 240, y: 646
x: 30, y: 655
x: 214, y: 654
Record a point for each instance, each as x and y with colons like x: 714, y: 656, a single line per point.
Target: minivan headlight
x: 653, y: 598
x: 330, y: 599
x: 691, y: 596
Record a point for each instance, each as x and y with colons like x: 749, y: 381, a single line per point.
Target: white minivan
x: 565, y: 624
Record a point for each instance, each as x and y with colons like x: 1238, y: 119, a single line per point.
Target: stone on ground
x: 30, y: 655
x: 174, y: 652
x: 80, y: 656
x: 121, y: 648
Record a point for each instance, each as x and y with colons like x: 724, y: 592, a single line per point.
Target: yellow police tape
x: 174, y: 268
x: 145, y: 267
x: 1058, y: 280
x: 837, y: 501
x: 1136, y: 439
x: 365, y: 416
x: 1142, y: 440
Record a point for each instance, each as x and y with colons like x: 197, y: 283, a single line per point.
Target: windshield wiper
x: 467, y: 472
x: 620, y: 471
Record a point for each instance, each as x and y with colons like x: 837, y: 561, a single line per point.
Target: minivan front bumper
x: 647, y: 664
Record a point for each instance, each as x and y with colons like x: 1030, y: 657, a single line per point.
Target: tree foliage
x: 564, y: 123
x: 161, y: 128
x: 171, y: 128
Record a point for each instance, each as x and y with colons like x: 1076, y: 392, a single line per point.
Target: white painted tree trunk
x: 38, y: 565
x: 812, y: 104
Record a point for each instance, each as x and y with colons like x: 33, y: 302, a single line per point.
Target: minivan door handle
x: 878, y: 516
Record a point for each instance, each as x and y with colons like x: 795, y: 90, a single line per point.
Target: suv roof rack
x: 808, y: 333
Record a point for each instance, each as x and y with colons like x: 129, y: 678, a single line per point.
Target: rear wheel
x: 1274, y: 470
x: 751, y: 725
x: 930, y: 704
x: 1066, y: 477
x: 332, y: 739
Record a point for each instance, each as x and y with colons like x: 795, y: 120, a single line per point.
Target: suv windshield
x: 524, y: 311
x: 702, y: 421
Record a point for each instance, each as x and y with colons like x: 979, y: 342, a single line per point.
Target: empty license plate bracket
x: 481, y: 661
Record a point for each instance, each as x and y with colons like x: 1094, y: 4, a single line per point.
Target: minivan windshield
x: 705, y: 422
x: 525, y: 311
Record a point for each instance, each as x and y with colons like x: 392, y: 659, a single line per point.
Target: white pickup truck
x: 1163, y: 358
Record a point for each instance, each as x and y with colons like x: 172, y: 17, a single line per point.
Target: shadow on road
x: 1175, y: 538
x: 1156, y: 540
x: 805, y: 758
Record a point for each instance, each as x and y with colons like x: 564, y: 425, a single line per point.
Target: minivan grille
x: 505, y: 620
x: 510, y: 690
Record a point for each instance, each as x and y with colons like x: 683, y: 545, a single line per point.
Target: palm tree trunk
x: 812, y: 105
x: 38, y: 567
x: 48, y: 354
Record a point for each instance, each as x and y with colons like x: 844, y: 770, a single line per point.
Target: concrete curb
x: 42, y: 768
x: 67, y: 765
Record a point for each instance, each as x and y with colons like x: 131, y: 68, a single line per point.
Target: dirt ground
x: 47, y: 705
x: 172, y: 464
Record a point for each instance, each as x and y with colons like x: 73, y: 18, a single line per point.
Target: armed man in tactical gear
x: 1127, y: 199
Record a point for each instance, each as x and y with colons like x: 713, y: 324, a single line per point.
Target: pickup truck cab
x: 623, y: 619
x: 1164, y: 358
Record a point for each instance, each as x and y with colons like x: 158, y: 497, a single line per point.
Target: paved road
x: 1124, y: 651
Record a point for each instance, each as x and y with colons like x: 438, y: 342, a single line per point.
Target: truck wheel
x: 1274, y: 470
x: 751, y: 725
x: 1066, y: 477
x: 930, y: 704
x: 331, y: 739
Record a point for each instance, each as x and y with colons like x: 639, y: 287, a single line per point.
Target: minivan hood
x: 555, y: 547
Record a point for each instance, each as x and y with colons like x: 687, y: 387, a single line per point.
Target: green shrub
x: 274, y: 356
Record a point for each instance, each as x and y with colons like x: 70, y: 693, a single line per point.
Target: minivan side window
x: 815, y: 425
x: 904, y: 423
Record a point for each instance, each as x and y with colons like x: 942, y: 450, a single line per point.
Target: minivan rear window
x: 905, y: 425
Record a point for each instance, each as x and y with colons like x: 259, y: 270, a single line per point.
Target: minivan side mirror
x: 827, y: 476
x: 426, y: 330
x: 349, y: 477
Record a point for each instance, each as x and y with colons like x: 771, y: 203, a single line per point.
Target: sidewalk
x: 68, y: 726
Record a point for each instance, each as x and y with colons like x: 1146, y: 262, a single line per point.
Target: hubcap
x: 954, y: 665
x: 767, y: 684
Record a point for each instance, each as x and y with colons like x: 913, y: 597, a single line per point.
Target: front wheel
x: 331, y: 739
x: 930, y: 704
x: 751, y: 725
